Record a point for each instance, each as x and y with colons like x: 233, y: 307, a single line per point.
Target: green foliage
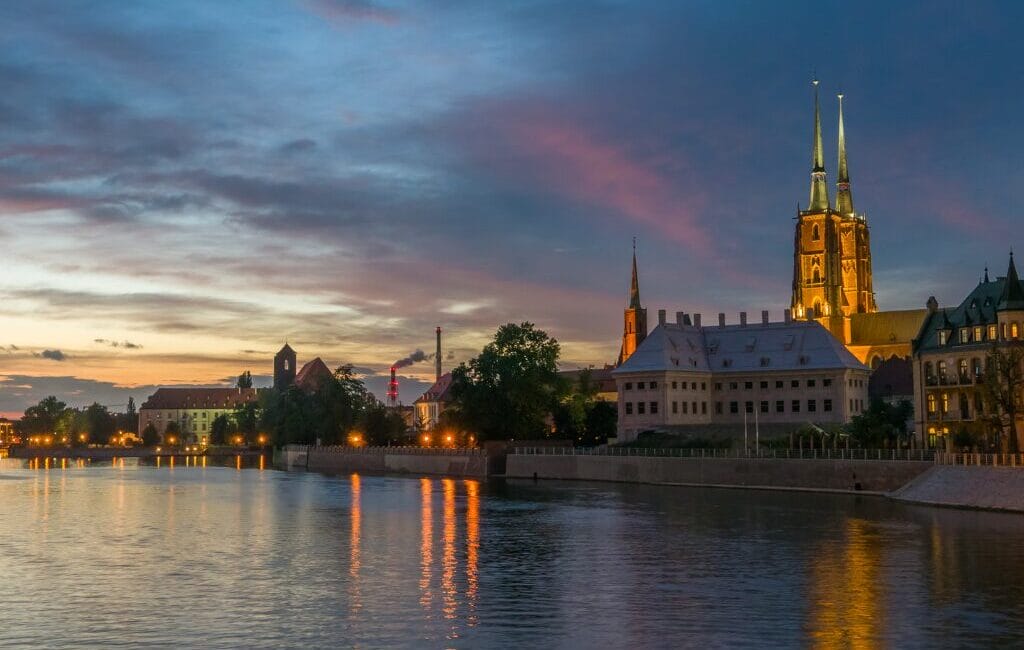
x: 1001, y: 390
x: 150, y: 437
x: 381, y: 426
x: 43, y: 417
x: 172, y: 429
x: 221, y: 427
x: 508, y: 391
x: 99, y: 424
x: 964, y: 440
x: 245, y: 380
x: 882, y: 425
x: 246, y: 418
x: 581, y: 417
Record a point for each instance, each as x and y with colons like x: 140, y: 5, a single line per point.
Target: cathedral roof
x: 313, y: 375
x: 886, y: 327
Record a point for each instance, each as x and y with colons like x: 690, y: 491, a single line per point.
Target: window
x: 654, y: 385
x: 765, y: 362
x: 748, y: 407
x: 979, y: 404
x: 654, y: 408
x: 675, y: 385
x: 826, y: 382
x: 204, y: 426
x: 828, y: 406
x: 942, y: 371
x: 1014, y: 330
x: 812, y: 406
x: 695, y: 408
x: 703, y: 385
x: 764, y: 406
x: 795, y: 383
x: 675, y: 407
x: 778, y: 384
x: 965, y: 335
x: 629, y: 385
x: 629, y: 408
x: 977, y: 332
x: 928, y: 370
x: 945, y: 403
x: 734, y: 407
x: 943, y: 337
x: 976, y: 366
x: 684, y: 407
x: 718, y: 408
x: 749, y: 385
x: 718, y: 385
x: 991, y: 332
x: 962, y: 369
x: 796, y: 406
x: 693, y: 386
x: 810, y: 383
x: 733, y: 385
x: 703, y: 408
x: 815, y: 233
x: 780, y: 406
x: 640, y: 408
x: 639, y: 385
x: 764, y: 385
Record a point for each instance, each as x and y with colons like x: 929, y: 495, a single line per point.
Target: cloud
x: 53, y: 355
x: 127, y: 345
x: 345, y: 12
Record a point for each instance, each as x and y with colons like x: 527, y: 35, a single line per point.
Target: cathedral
x: 832, y: 281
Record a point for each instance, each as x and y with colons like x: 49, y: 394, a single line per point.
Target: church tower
x: 832, y: 247
x: 284, y: 368
x: 634, y: 328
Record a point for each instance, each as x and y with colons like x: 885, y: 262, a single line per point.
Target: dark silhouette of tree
x: 509, y: 390
x: 150, y: 437
x: 43, y: 417
x: 881, y: 425
x: 221, y: 427
x: 245, y: 380
x: 1003, y: 380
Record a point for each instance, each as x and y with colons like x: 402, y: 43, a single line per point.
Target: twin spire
x: 819, y: 189
x: 634, y: 287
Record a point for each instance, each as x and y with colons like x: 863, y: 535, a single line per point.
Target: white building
x: 685, y: 377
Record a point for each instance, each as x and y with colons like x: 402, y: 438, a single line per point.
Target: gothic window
x: 287, y: 364
x: 976, y: 366
x: 1014, y: 330
x: 931, y: 402
x: 942, y: 370
x: 962, y: 368
x: 817, y: 279
x: 815, y: 233
x: 945, y: 403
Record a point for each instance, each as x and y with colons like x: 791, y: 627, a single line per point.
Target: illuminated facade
x: 193, y: 409
x: 634, y: 327
x: 832, y: 256
x: 432, y: 403
x: 950, y: 356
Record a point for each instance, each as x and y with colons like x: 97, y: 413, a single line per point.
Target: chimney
x: 764, y: 317
x: 721, y: 319
x: 787, y: 316
x: 437, y: 357
x: 661, y: 317
x: 696, y: 320
x: 680, y: 318
x: 743, y: 318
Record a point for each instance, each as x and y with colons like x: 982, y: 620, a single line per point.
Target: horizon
x: 183, y: 189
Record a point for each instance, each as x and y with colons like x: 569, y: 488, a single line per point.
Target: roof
x: 313, y: 375
x: 885, y: 327
x: 892, y: 377
x: 796, y: 345
x: 978, y: 308
x: 198, y: 398
x: 600, y: 376
x: 287, y: 349
x: 1012, y: 296
x: 438, y: 392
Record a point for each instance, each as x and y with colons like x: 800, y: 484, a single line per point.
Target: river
x: 125, y: 554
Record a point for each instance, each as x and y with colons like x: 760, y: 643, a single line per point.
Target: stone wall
x: 398, y: 460
x: 879, y: 476
x: 993, y: 488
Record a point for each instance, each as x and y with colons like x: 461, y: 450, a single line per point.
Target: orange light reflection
x: 426, y: 545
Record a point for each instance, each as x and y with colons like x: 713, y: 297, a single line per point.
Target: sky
x: 184, y: 186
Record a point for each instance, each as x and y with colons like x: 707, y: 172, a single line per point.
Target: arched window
x: 1014, y: 330
x: 931, y: 402
x: 965, y: 409
x: 817, y: 276
x: 976, y: 366
x: 287, y: 364
x: 929, y: 371
x: 945, y: 403
x: 815, y: 233
x: 962, y: 370
x: 942, y: 370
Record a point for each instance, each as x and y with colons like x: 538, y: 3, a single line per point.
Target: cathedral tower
x: 832, y: 248
x: 634, y: 328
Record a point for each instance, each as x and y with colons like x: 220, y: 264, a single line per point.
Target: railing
x: 396, y: 449
x: 1000, y: 460
x: 795, y: 454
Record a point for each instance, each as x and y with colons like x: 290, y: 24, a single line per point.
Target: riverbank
x: 975, y: 487
x: 470, y: 463
x: 107, y: 453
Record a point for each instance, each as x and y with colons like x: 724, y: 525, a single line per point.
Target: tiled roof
x: 313, y: 375
x: 600, y: 376
x: 797, y: 345
x: 884, y: 327
x: 438, y: 392
x: 198, y: 398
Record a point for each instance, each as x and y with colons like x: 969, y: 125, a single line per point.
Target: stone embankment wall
x: 992, y: 488
x: 398, y: 460
x: 878, y: 476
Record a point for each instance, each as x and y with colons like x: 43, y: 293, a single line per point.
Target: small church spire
x: 844, y: 198
x: 819, y: 190
x: 634, y: 287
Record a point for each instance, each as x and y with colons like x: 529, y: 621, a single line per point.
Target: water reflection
x: 426, y: 543
x: 355, y: 548
x: 472, y: 547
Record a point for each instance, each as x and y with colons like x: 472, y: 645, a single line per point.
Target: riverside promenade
x: 469, y: 463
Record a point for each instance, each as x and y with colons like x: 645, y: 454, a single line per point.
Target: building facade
x: 950, y: 356
x: 767, y: 378
x: 430, y: 406
x: 6, y: 432
x: 193, y: 409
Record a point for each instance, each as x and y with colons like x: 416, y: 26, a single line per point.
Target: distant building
x: 194, y: 409
x: 6, y: 431
x: 708, y: 380
x: 432, y: 403
x: 949, y: 358
x: 284, y: 368
x: 313, y: 376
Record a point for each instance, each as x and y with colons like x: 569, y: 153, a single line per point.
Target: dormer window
x: 943, y: 337
x: 991, y: 332
x: 965, y: 335
x: 978, y: 330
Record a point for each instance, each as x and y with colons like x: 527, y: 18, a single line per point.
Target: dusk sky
x: 186, y: 185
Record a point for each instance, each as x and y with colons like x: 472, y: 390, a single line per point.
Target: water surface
x: 122, y: 554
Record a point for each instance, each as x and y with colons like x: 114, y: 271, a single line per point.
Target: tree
x: 602, y: 423
x: 43, y: 417
x: 246, y: 419
x: 172, y: 433
x: 130, y: 421
x: 510, y: 389
x: 99, y: 423
x: 882, y: 424
x: 1001, y: 389
x: 221, y: 427
x: 245, y: 380
x: 150, y: 437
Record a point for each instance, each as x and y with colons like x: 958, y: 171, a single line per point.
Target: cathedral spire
x: 819, y: 190
x: 634, y: 287
x: 844, y: 198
